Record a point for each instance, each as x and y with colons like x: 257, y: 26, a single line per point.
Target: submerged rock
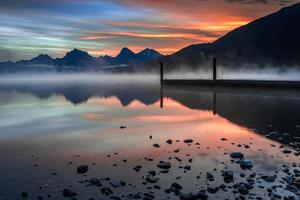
x: 237, y: 155
x: 245, y: 164
x: 164, y: 165
x: 209, y: 176
x: 82, y: 169
x: 188, y: 141
x: 137, y: 168
x: 69, y: 193
x: 169, y: 141
x: 228, y: 176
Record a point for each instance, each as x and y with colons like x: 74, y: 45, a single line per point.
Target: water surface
x: 49, y: 128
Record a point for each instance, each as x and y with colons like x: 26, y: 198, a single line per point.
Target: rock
x: 117, y: 184
x: 212, y: 190
x: 169, y: 141
x: 228, y: 176
x: 209, y: 176
x: 151, y: 180
x: 243, y: 189
x: 106, y: 191
x: 223, y: 139
x: 176, y: 188
x: 202, y: 195
x: 245, y: 164
x: 123, y: 127
x: 24, y: 194
x: 187, y: 196
x: 237, y: 155
x: 137, y: 168
x: 153, y: 173
x: 287, y: 151
x: 95, y: 182
x: 187, y: 167
x: 297, y: 182
x: 82, y: 169
x: 269, y: 179
x: 156, y: 145
x: 188, y: 141
x: 164, y: 165
x: 69, y: 193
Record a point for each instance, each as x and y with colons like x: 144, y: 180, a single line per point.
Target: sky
x: 102, y: 27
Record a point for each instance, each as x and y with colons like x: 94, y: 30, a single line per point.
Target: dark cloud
x: 280, y: 2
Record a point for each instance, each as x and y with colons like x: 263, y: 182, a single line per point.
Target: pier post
x: 161, y: 72
x: 214, y: 70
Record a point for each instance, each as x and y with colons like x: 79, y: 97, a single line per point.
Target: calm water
x: 48, y: 129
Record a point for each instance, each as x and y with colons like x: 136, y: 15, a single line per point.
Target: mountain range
x: 273, y: 40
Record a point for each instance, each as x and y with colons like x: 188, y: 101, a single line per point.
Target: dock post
x: 214, y: 70
x: 161, y: 72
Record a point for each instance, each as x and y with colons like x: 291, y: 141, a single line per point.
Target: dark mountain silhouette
x: 76, y: 58
x: 147, y: 54
x: 271, y: 40
x: 125, y: 56
x: 42, y: 59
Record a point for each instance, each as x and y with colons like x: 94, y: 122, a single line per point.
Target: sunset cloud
x: 101, y: 27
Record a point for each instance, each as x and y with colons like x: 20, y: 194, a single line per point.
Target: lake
x: 136, y: 139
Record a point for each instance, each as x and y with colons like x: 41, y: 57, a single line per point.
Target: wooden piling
x: 214, y: 70
x: 161, y: 72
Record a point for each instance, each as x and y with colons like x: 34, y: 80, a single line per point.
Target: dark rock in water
x: 153, y: 173
x: 202, y: 195
x: 269, y: 179
x: 117, y: 184
x: 169, y: 141
x: 137, y: 168
x: 289, y: 180
x: 151, y: 180
x: 69, y: 193
x: 237, y: 155
x: 287, y: 151
x: 187, y: 167
x: 297, y: 182
x: 106, y: 191
x: 228, y: 176
x: 96, y: 182
x: 176, y: 188
x: 212, y: 190
x: 156, y: 145
x: 82, y: 169
x: 24, y: 194
x: 243, y: 189
x: 187, y: 196
x: 245, y: 164
x: 209, y: 176
x: 164, y: 165
x: 188, y: 141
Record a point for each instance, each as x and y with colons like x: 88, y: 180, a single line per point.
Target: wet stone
x: 69, y: 193
x: 82, y: 169
x: 209, y: 176
x: 156, y: 145
x: 24, y: 194
x: 169, y: 141
x: 164, y: 165
x: 188, y: 141
x: 228, y: 176
x: 237, y: 155
x: 137, y: 168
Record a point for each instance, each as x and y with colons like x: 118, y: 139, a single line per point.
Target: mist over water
x: 244, y: 73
